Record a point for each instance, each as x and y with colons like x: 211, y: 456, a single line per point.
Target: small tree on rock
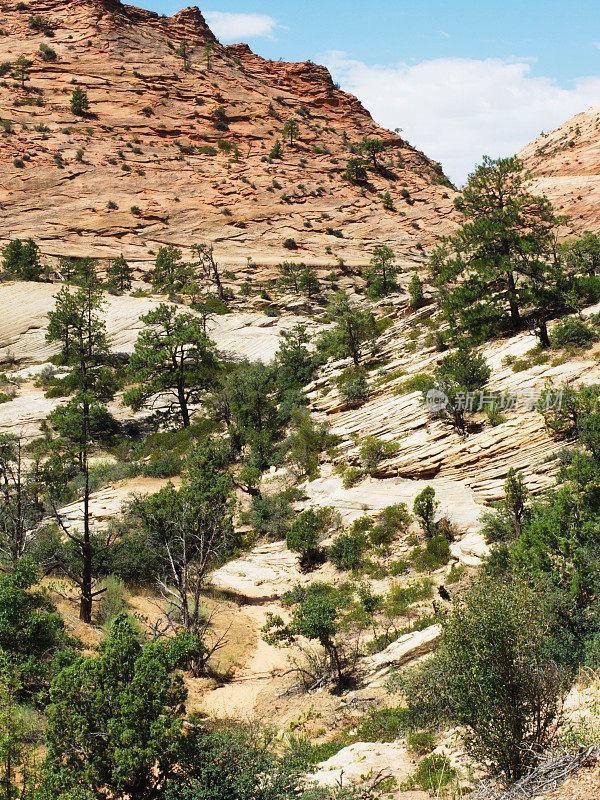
x: 80, y: 103
x: 21, y: 260
x: 425, y: 508
x: 372, y: 147
x: 119, y: 274
x: 382, y: 271
x: 183, y: 51
x: 21, y: 70
x: 291, y: 129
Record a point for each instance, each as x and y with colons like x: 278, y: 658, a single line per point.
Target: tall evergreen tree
x: 75, y: 323
x: 501, y: 261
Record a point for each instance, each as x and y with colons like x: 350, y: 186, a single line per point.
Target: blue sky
x: 461, y: 78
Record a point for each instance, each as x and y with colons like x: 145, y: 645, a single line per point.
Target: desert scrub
x: 112, y: 601
x: 434, y: 555
x: 353, y: 386
x: 372, y: 451
x: 434, y: 772
x: 418, y: 383
x: 572, y: 332
x: 347, y: 550
x: 351, y: 476
x: 421, y: 742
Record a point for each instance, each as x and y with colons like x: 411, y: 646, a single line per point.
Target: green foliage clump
x: 21, y: 260
x: 433, y: 773
x: 356, y: 171
x: 500, y: 262
x: 572, y: 332
x: 451, y: 393
x: 354, y: 330
x: 303, y: 535
x: 381, y: 273
x: 276, y: 150
x: 372, y: 451
x: 347, y: 550
x: 80, y: 104
x: 119, y: 274
x: 272, y: 515
x: 425, y: 507
x: 389, y: 523
x: 434, y: 555
x: 415, y: 292
x: 33, y: 637
x: 173, y: 358
x: 353, y: 386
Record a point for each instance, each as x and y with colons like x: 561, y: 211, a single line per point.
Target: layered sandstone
x: 566, y: 168
x: 147, y: 176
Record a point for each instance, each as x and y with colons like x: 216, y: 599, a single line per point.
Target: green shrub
x: 415, y: 291
x: 352, y: 475
x: 166, y: 465
x: 384, y: 725
x: 112, y: 601
x: 271, y: 515
x: 134, y: 559
x: 373, y: 451
x: 347, y: 550
x: 425, y: 507
x: 434, y: 555
x: 303, y: 535
x: 47, y: 53
x: 421, y: 742
x: 434, y: 772
x: 572, y: 332
x: 388, y: 524
x: 80, y: 104
x: 352, y: 385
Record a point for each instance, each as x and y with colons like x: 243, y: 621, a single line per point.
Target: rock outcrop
x: 566, y: 168
x: 169, y: 154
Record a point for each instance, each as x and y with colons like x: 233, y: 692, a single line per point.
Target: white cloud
x: 458, y: 109
x: 229, y: 27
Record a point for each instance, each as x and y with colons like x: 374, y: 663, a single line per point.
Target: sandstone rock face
x: 182, y: 156
x: 566, y: 168
x: 405, y: 649
x: 355, y: 763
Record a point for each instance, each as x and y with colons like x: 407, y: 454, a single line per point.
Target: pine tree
x: 21, y: 70
x: 382, y: 272
x: 207, y: 49
x: 80, y: 104
x: 372, y: 147
x: 501, y: 261
x: 356, y: 171
x: 76, y: 325
x: 22, y: 260
x: 309, y: 282
x: 173, y: 359
x: 415, y: 291
x: 119, y: 274
x: 183, y: 51
x: 276, y: 150
x: 291, y: 129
